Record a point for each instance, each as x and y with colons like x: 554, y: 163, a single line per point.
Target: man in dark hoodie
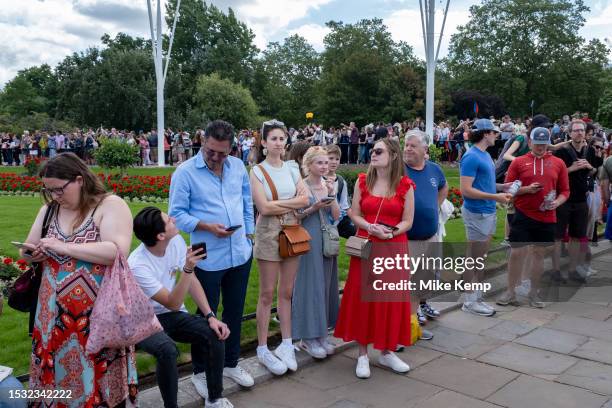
x: 545, y: 186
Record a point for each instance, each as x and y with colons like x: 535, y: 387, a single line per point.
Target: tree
x: 218, y: 98
x: 366, y: 76
x: 522, y: 50
x: 20, y: 98
x: 207, y: 40
x: 285, y: 80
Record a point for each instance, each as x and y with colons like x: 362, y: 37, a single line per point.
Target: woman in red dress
x: 382, y: 196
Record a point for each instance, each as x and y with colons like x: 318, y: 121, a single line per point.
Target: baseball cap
x: 541, y: 120
x: 540, y: 135
x: 484, y: 124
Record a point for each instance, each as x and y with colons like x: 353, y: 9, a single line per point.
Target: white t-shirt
x: 285, y: 179
x: 153, y: 273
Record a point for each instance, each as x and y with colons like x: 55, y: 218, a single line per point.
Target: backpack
x: 502, y: 165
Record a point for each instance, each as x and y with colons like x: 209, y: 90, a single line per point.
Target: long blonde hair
x: 395, y: 167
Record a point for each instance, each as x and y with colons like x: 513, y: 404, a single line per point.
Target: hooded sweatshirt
x: 550, y: 172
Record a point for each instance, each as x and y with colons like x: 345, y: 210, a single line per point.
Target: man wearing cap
x: 575, y: 208
x: 480, y: 195
x: 543, y: 176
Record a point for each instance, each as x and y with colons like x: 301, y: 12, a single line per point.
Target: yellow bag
x: 415, y: 329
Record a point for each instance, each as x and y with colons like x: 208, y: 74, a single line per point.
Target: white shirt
x: 154, y: 273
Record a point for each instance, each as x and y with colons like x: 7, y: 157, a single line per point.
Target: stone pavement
x: 560, y: 356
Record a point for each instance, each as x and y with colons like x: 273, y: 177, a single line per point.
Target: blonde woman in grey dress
x: 315, y: 293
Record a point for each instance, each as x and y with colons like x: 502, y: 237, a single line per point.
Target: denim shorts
x: 478, y: 227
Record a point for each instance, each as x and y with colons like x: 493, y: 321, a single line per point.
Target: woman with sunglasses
x: 383, y: 211
x: 275, y: 271
x: 87, y: 228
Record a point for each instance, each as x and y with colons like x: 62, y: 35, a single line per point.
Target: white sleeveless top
x: 285, y: 179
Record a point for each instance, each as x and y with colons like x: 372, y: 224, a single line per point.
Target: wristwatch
x: 209, y: 315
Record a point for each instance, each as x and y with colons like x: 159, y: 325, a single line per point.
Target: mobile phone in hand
x: 195, y: 247
x: 392, y: 227
x: 233, y: 228
x: 327, y: 200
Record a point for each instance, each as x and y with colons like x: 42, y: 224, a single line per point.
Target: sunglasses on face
x: 598, y: 147
x: 377, y: 152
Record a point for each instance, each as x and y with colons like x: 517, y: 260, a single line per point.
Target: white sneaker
x: 314, y: 348
x: 363, y: 367
x: 524, y: 288
x: 287, y: 355
x: 327, y: 346
x: 239, y: 375
x: 269, y: 360
x: 393, y: 362
x: 200, y: 384
x: 478, y: 308
x: 219, y: 403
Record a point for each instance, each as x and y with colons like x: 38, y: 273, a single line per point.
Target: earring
x: 265, y: 151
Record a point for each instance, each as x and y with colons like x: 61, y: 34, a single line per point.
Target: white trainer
x: 393, y: 362
x: 327, y: 346
x: 363, y: 367
x: 200, y: 384
x: 478, y: 308
x: 314, y: 348
x: 269, y: 360
x: 287, y: 355
x: 219, y: 403
x: 239, y: 375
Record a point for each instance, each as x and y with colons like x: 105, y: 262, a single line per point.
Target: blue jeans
x: 608, y: 232
x: 232, y: 285
x: 206, y: 348
x: 245, y: 155
x: 6, y: 385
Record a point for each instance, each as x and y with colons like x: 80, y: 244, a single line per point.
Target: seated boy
x: 155, y: 263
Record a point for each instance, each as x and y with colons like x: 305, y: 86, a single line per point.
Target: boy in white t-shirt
x: 155, y: 264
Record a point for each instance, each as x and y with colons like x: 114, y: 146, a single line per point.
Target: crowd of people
x: 232, y: 217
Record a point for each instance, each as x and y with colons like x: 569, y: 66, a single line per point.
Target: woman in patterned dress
x: 87, y: 227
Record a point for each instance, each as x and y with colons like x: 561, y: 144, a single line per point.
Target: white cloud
x: 313, y: 33
x: 405, y: 25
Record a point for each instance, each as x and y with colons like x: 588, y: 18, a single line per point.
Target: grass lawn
x: 19, y: 212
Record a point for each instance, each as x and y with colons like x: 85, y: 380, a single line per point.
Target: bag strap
x: 47, y: 220
x: 377, y: 214
x: 269, y: 181
x: 340, y: 181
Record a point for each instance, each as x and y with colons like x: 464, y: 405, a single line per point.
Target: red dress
x: 383, y: 324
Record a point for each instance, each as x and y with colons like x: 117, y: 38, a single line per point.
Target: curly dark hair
x: 220, y: 130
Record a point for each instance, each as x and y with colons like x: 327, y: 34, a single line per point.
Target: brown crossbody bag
x: 293, y: 239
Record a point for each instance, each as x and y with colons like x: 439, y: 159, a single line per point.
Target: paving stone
x: 530, y: 392
x: 528, y: 360
x: 599, y: 295
x: 608, y: 404
x: 553, y: 340
x: 453, y: 399
x: 347, y: 404
x: 586, y: 327
x: 536, y: 317
x: 465, y: 376
x: 325, y: 375
x: 578, y: 309
x: 509, y: 330
x: 459, y: 343
x: 415, y: 356
x: 590, y: 375
x: 385, y: 389
x: 283, y: 392
x: 595, y: 349
x: 466, y: 322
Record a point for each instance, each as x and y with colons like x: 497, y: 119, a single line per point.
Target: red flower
x: 8, y: 261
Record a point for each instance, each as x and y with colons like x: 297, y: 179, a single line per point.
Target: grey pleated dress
x: 315, y: 300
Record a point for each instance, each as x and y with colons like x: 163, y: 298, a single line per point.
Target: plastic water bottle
x: 514, y: 188
x: 548, y: 199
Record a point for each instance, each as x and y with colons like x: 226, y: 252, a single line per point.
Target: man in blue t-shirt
x: 431, y: 190
x: 480, y: 195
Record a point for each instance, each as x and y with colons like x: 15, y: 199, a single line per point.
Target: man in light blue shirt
x: 210, y: 198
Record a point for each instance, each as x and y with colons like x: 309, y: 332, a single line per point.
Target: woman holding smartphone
x: 315, y: 295
x: 383, y: 196
x: 275, y: 271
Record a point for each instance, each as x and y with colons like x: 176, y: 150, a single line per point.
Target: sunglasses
x: 377, y: 151
x: 598, y: 147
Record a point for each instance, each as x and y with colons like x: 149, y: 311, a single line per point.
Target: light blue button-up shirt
x: 198, y: 194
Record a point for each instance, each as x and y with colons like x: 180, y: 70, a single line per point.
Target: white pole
x: 159, y: 74
x: 431, y: 70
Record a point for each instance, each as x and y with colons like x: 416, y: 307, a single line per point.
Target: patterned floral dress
x: 59, y: 362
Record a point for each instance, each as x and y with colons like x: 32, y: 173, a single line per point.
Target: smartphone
x: 27, y: 253
x: 233, y: 228
x: 199, y: 245
x: 393, y: 227
x: 328, y: 199
x: 18, y: 244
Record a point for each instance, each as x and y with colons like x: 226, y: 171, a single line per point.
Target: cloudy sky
x: 45, y: 31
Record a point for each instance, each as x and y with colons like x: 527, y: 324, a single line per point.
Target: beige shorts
x: 266, y: 236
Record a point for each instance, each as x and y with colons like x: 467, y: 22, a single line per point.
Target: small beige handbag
x: 361, y: 247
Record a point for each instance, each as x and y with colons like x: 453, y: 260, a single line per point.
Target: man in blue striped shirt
x: 210, y: 198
